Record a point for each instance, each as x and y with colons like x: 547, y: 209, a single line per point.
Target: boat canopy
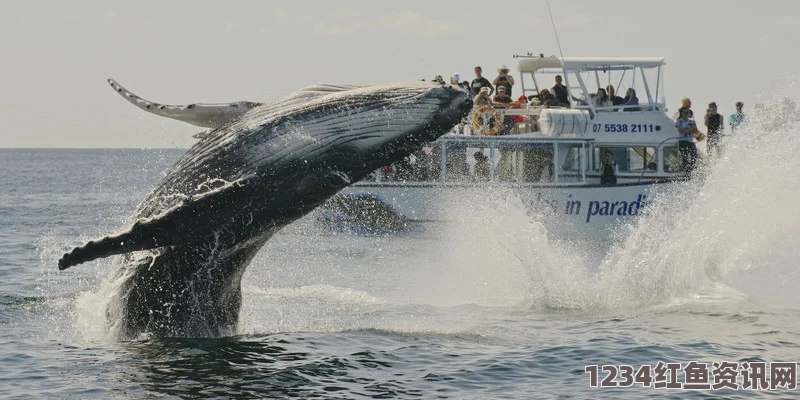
x: 533, y: 65
x: 583, y: 76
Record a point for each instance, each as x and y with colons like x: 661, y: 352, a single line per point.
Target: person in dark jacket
x: 631, y: 100
x: 612, y: 95
x: 714, y: 124
x: 609, y: 176
x: 560, y: 92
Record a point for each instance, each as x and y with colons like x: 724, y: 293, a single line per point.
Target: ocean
x: 491, y: 308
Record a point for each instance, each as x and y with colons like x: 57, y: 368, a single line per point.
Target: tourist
x: 610, y: 170
x: 601, y: 99
x: 615, y: 100
x: 714, y: 126
x: 504, y: 79
x: 688, y: 131
x: 480, y: 82
x: 738, y: 118
x: 502, y: 99
x: 482, y: 99
x: 560, y: 92
x: 630, y: 100
x: 686, y: 104
x: 548, y: 100
x: 482, y: 169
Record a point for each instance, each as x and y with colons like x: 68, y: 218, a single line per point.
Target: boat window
x: 570, y: 156
x: 469, y: 162
x: 572, y: 163
x: 525, y: 163
x: 423, y: 165
x: 672, y: 159
x: 628, y: 159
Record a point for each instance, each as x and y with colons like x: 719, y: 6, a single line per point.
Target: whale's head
x: 327, y: 138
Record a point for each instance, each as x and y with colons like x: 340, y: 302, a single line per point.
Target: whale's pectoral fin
x: 205, y: 115
x: 141, y: 236
x: 175, y: 226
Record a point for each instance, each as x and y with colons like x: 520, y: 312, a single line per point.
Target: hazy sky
x: 56, y: 56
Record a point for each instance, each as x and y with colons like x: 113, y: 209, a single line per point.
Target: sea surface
x: 491, y: 308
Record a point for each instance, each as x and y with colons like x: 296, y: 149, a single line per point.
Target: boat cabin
x: 562, y: 145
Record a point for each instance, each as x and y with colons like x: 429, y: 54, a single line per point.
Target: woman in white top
x: 602, y: 100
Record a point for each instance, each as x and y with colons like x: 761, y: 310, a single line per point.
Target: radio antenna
x: 558, y: 42
x: 553, y: 22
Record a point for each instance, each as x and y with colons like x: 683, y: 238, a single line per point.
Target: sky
x: 56, y: 56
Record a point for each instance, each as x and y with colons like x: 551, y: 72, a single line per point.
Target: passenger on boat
x: 686, y: 104
x: 560, y: 92
x: 547, y: 99
x: 502, y: 99
x: 631, y: 100
x: 480, y: 82
x: 454, y: 79
x: 438, y: 79
x: 612, y: 95
x: 688, y: 130
x: 738, y: 118
x: 482, y: 99
x: 610, y: 170
x: 714, y: 124
x: 482, y: 168
x: 504, y: 79
x: 601, y: 99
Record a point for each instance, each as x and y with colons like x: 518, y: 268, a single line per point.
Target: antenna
x: 553, y: 22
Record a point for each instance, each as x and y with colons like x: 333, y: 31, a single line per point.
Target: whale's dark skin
x: 199, y: 229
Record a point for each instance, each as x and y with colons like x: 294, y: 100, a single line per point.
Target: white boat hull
x: 569, y: 211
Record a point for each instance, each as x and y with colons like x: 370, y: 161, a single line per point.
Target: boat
x: 553, y: 158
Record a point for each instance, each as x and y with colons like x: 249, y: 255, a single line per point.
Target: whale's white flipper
x: 205, y: 115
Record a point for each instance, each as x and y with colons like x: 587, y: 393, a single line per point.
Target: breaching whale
x: 257, y: 169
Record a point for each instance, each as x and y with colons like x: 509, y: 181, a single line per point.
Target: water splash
x: 729, y: 233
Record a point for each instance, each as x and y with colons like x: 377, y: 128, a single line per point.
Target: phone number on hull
x: 634, y: 128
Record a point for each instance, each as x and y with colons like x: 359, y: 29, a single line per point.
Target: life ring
x: 485, y: 121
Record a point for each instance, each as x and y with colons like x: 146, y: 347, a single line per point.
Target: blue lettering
x: 623, y: 208
x: 594, y: 206
x: 633, y: 208
x: 604, y: 208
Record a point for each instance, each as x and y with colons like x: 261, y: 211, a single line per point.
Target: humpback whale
x: 258, y: 168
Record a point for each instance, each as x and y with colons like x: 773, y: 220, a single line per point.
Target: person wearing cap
x: 715, y: 126
x: 502, y: 98
x: 504, y: 79
x: 454, y: 79
x: 480, y: 82
x: 482, y: 99
x: 738, y: 118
